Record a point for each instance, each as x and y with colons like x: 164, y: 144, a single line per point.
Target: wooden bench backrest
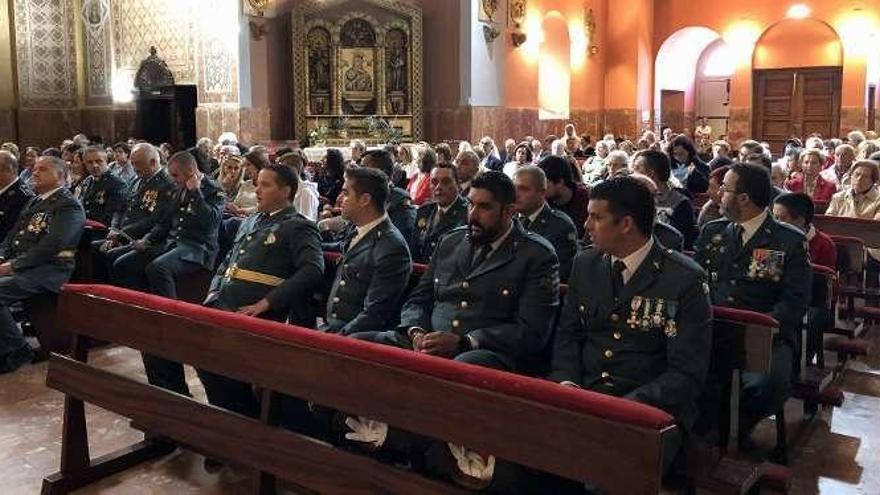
x: 623, y: 457
x: 866, y: 230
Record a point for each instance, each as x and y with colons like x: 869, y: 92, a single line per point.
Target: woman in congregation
x: 332, y: 176
x: 419, y: 187
x: 522, y: 156
x: 244, y: 202
x: 230, y: 178
x: 809, y: 179
x: 687, y: 167
x: 594, y: 167
x: 861, y: 200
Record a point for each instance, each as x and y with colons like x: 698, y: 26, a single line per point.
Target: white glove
x: 366, y: 430
x: 472, y: 464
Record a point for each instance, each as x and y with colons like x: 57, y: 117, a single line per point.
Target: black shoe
x: 15, y: 359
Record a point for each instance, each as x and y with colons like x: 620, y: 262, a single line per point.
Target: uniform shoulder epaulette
x: 718, y: 224
x: 788, y: 230
x: 681, y: 260
x: 540, y: 240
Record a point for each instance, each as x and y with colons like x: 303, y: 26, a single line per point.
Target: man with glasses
x: 757, y: 263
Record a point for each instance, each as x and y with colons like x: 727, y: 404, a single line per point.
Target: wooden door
x: 672, y: 109
x: 796, y: 103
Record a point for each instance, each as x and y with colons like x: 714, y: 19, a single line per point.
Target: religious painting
x: 516, y: 13
x: 487, y: 10
x: 352, y: 65
x: 358, y: 69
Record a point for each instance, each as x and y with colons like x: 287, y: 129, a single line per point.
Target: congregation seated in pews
x: 594, y: 277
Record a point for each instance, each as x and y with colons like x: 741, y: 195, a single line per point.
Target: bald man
x: 149, y: 201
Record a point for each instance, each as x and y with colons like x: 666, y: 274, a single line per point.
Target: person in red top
x: 809, y: 180
x: 419, y: 187
x: 797, y: 209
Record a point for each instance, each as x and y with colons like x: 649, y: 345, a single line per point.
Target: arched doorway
x: 797, y: 82
x: 675, y: 71
x: 554, y: 69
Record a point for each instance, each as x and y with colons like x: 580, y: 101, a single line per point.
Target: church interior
x: 439, y: 246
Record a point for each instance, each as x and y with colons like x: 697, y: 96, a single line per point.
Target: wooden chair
x: 615, y: 444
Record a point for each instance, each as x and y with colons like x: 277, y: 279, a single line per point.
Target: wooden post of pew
x: 77, y: 467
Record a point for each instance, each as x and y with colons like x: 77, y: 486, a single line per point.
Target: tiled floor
x: 840, y: 453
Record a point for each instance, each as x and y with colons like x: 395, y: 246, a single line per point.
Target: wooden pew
x: 615, y: 444
x: 866, y: 230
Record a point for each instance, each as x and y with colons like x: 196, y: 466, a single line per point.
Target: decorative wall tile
x: 99, y: 64
x: 45, y: 34
x: 169, y: 25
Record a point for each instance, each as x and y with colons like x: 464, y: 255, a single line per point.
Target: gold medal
x: 634, y: 305
x: 658, y: 314
x: 671, y: 329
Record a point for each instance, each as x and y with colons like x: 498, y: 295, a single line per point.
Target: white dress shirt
x: 634, y: 260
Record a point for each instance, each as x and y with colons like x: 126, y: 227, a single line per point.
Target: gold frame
x: 413, y: 14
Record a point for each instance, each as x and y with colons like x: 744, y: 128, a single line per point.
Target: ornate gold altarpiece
x: 353, y: 59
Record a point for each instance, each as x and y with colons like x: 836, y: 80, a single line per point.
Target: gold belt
x: 234, y: 272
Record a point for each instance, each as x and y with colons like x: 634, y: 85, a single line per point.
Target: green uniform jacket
x: 560, y: 231
x: 771, y: 274
x: 651, y: 344
x: 506, y: 304
x: 192, y: 223
x: 149, y: 201
x: 370, y: 281
x: 429, y: 231
x: 285, y: 245
x: 104, y: 198
x: 43, y: 242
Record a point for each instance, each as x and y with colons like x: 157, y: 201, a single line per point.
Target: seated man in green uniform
x: 104, y: 198
x: 149, y: 200
x: 757, y: 263
x: 636, y: 322
x: 446, y: 211
x: 374, y: 270
x: 271, y: 272
x: 488, y: 298
x: 536, y: 216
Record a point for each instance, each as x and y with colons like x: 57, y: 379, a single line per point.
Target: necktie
x: 737, y: 237
x: 617, y: 276
x: 438, y: 216
x: 526, y: 222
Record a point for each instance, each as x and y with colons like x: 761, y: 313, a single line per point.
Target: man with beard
x: 488, y: 298
x: 757, y: 263
x: 434, y: 219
